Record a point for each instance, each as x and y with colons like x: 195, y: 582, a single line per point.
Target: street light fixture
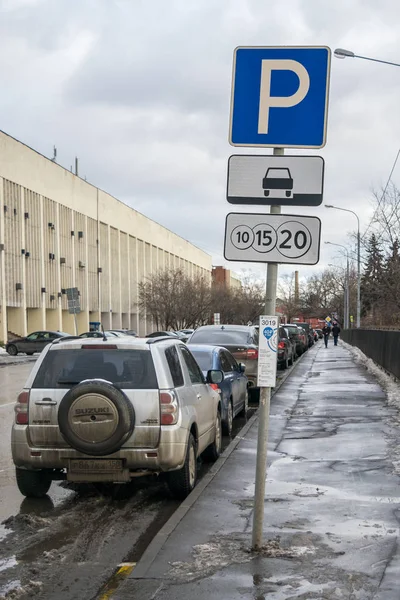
x: 342, y: 53
x: 358, y: 259
x: 347, y: 287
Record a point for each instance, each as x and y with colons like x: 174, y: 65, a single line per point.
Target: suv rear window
x: 127, y: 369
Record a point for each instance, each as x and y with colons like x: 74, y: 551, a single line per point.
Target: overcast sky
x: 139, y: 90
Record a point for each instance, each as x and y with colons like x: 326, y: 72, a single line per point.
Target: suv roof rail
x: 162, y: 338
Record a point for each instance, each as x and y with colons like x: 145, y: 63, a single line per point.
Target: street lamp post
x: 342, y: 53
x: 347, y: 287
x: 358, y: 259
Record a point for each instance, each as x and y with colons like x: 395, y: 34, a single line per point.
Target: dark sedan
x: 34, y: 342
x: 234, y: 387
x: 240, y: 340
x: 286, y: 348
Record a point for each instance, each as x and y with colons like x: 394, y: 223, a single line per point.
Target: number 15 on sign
x: 272, y: 238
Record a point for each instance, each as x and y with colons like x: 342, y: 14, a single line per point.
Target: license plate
x: 95, y: 465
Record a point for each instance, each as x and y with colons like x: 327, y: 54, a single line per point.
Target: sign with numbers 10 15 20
x: 272, y: 238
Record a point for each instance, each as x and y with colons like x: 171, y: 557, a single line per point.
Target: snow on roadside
x: 390, y: 385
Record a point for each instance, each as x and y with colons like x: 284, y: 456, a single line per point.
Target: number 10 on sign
x: 272, y: 238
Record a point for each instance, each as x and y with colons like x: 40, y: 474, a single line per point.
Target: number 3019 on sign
x: 272, y: 238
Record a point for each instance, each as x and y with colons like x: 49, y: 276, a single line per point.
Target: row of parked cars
x: 112, y: 407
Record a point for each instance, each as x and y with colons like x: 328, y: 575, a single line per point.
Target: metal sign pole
x: 263, y: 411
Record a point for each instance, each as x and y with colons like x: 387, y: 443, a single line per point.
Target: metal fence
x: 382, y: 346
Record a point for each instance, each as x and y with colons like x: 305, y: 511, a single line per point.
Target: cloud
x: 140, y: 91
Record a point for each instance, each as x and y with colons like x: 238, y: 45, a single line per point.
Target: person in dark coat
x: 326, y: 331
x: 335, y: 333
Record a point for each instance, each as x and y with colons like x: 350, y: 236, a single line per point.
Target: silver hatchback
x: 108, y: 411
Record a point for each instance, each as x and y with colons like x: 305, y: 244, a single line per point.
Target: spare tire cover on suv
x: 96, y: 418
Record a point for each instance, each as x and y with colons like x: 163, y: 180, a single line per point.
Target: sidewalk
x: 331, y: 508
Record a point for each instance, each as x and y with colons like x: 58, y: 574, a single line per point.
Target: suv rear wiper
x: 67, y: 381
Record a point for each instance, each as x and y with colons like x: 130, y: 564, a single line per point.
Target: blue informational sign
x: 280, y: 97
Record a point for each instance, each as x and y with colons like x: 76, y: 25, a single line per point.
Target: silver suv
x: 94, y: 411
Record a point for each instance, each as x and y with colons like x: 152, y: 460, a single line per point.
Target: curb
x: 157, y: 543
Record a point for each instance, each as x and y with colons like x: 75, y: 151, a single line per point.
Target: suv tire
x: 183, y: 481
x: 110, y: 434
x: 33, y: 484
x: 212, y: 453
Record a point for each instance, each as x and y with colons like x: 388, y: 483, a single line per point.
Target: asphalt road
x: 68, y: 545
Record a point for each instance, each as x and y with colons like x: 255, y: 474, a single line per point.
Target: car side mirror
x: 242, y: 367
x: 214, y: 376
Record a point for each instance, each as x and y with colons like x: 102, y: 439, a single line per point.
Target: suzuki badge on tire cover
x: 96, y: 418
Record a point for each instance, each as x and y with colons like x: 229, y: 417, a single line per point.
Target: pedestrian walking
x: 335, y: 333
x: 326, y: 331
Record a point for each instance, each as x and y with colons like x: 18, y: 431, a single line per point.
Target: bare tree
x: 174, y: 300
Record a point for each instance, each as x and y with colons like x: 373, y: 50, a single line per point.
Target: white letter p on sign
x: 267, y: 101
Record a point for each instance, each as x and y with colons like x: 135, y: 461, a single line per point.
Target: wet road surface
x: 67, y: 545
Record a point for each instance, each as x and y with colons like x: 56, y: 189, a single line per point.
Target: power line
x: 382, y: 197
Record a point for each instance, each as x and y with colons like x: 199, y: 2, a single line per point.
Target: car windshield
x: 278, y: 174
x: 127, y: 369
x: 203, y: 359
x: 221, y: 337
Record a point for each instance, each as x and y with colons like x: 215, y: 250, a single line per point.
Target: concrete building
x: 225, y: 277
x: 57, y: 231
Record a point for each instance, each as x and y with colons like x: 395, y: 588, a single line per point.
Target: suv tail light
x: 281, y: 345
x: 252, y: 354
x: 21, y: 409
x: 169, y: 407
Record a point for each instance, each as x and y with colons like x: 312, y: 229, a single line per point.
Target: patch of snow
x: 388, y: 383
x: 7, y: 563
x: 391, y: 387
x: 31, y: 589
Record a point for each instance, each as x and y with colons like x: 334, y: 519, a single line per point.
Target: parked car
x: 240, y: 340
x: 187, y: 332
x: 34, y: 342
x: 163, y: 334
x: 286, y: 348
x: 117, y: 332
x: 125, y: 332
x: 315, y: 334
x: 320, y: 334
x: 113, y: 410
x: 308, y: 330
x: 182, y: 336
x: 234, y: 387
x: 98, y: 334
x: 299, y: 336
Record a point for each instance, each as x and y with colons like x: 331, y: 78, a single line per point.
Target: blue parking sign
x: 280, y: 97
